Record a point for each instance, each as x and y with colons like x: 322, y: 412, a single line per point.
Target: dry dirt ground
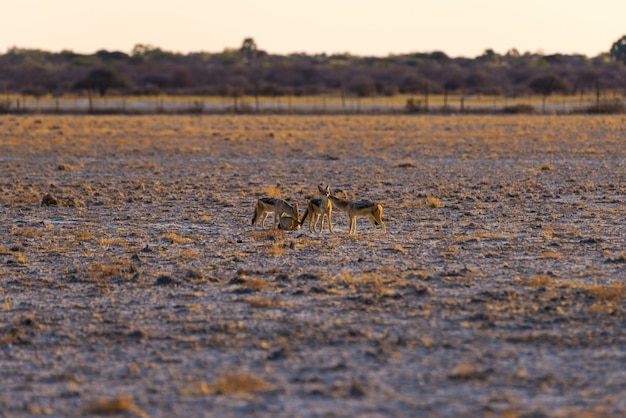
x: 138, y: 287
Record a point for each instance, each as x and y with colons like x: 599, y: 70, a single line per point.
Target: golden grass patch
x: 231, y: 383
x: 260, y: 302
x: 551, y: 255
x: 83, y: 235
x: 540, y: 280
x: 174, y: 238
x: 269, y: 234
x: 257, y: 284
x: 27, y: 232
x: 269, y: 191
x: 610, y: 293
x: 20, y: 258
x: 104, y: 270
x: 119, y: 405
x: 545, y: 167
x: 189, y: 254
x: 433, y: 202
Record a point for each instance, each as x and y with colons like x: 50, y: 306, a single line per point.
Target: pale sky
x: 361, y: 27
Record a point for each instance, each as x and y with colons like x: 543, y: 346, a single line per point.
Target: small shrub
x: 118, y: 405
x: 545, y: 167
x: 232, y: 383
x: 541, y: 280
x: 611, y: 293
x: 433, y: 202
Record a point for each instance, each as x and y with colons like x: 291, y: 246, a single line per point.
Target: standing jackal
x: 313, y: 212
x: 319, y: 208
x: 326, y: 207
x: 266, y: 205
x: 362, y: 208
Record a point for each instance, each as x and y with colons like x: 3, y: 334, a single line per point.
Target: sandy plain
x: 144, y: 291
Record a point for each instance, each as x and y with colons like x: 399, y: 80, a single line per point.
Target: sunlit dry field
x: 132, y: 283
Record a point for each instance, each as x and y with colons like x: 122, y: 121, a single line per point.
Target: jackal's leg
x: 276, y: 219
x: 372, y: 220
x: 330, y: 224
x: 317, y: 219
x: 265, y: 216
x: 352, y: 225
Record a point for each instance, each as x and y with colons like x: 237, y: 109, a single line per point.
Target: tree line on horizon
x: 250, y: 71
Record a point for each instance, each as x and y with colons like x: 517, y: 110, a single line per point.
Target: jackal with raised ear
x: 266, y: 205
x: 360, y: 209
x: 320, y: 209
x: 326, y: 207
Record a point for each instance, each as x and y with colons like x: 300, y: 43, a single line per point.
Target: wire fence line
x: 312, y: 105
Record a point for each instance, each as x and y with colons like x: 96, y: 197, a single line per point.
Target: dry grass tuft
x: 20, y: 258
x: 610, y: 293
x: 269, y: 234
x: 259, y: 302
x: 189, y: 254
x: 551, y: 255
x: 465, y: 371
x: 541, y: 280
x: 433, y: 202
x: 620, y: 258
x: 102, y: 270
x: 232, y: 383
x: 26, y: 232
x: 545, y: 167
x: 256, y: 284
x: 118, y: 405
x: 65, y: 167
x: 269, y: 191
x: 175, y: 238
x: 83, y: 235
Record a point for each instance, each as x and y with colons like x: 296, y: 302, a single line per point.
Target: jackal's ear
x: 320, y: 188
x: 327, y: 189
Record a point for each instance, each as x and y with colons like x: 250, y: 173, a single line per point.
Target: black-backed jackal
x: 320, y: 208
x: 313, y: 212
x: 288, y: 223
x: 326, y: 207
x: 266, y: 205
x: 363, y: 209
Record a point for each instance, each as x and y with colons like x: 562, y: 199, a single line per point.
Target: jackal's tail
x: 306, y: 213
x: 256, y: 213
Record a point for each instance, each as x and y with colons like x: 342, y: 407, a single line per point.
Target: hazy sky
x: 360, y: 27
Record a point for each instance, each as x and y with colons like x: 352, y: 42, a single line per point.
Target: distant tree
x: 476, y: 81
x: 546, y: 85
x: 439, y: 56
x: 412, y: 84
x: 618, y: 49
x: 101, y: 80
x: 145, y: 52
x: 107, y: 56
x: 182, y: 78
x: 586, y: 80
x: 249, y: 49
x: 451, y: 84
x: 362, y: 86
x: 489, y: 56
